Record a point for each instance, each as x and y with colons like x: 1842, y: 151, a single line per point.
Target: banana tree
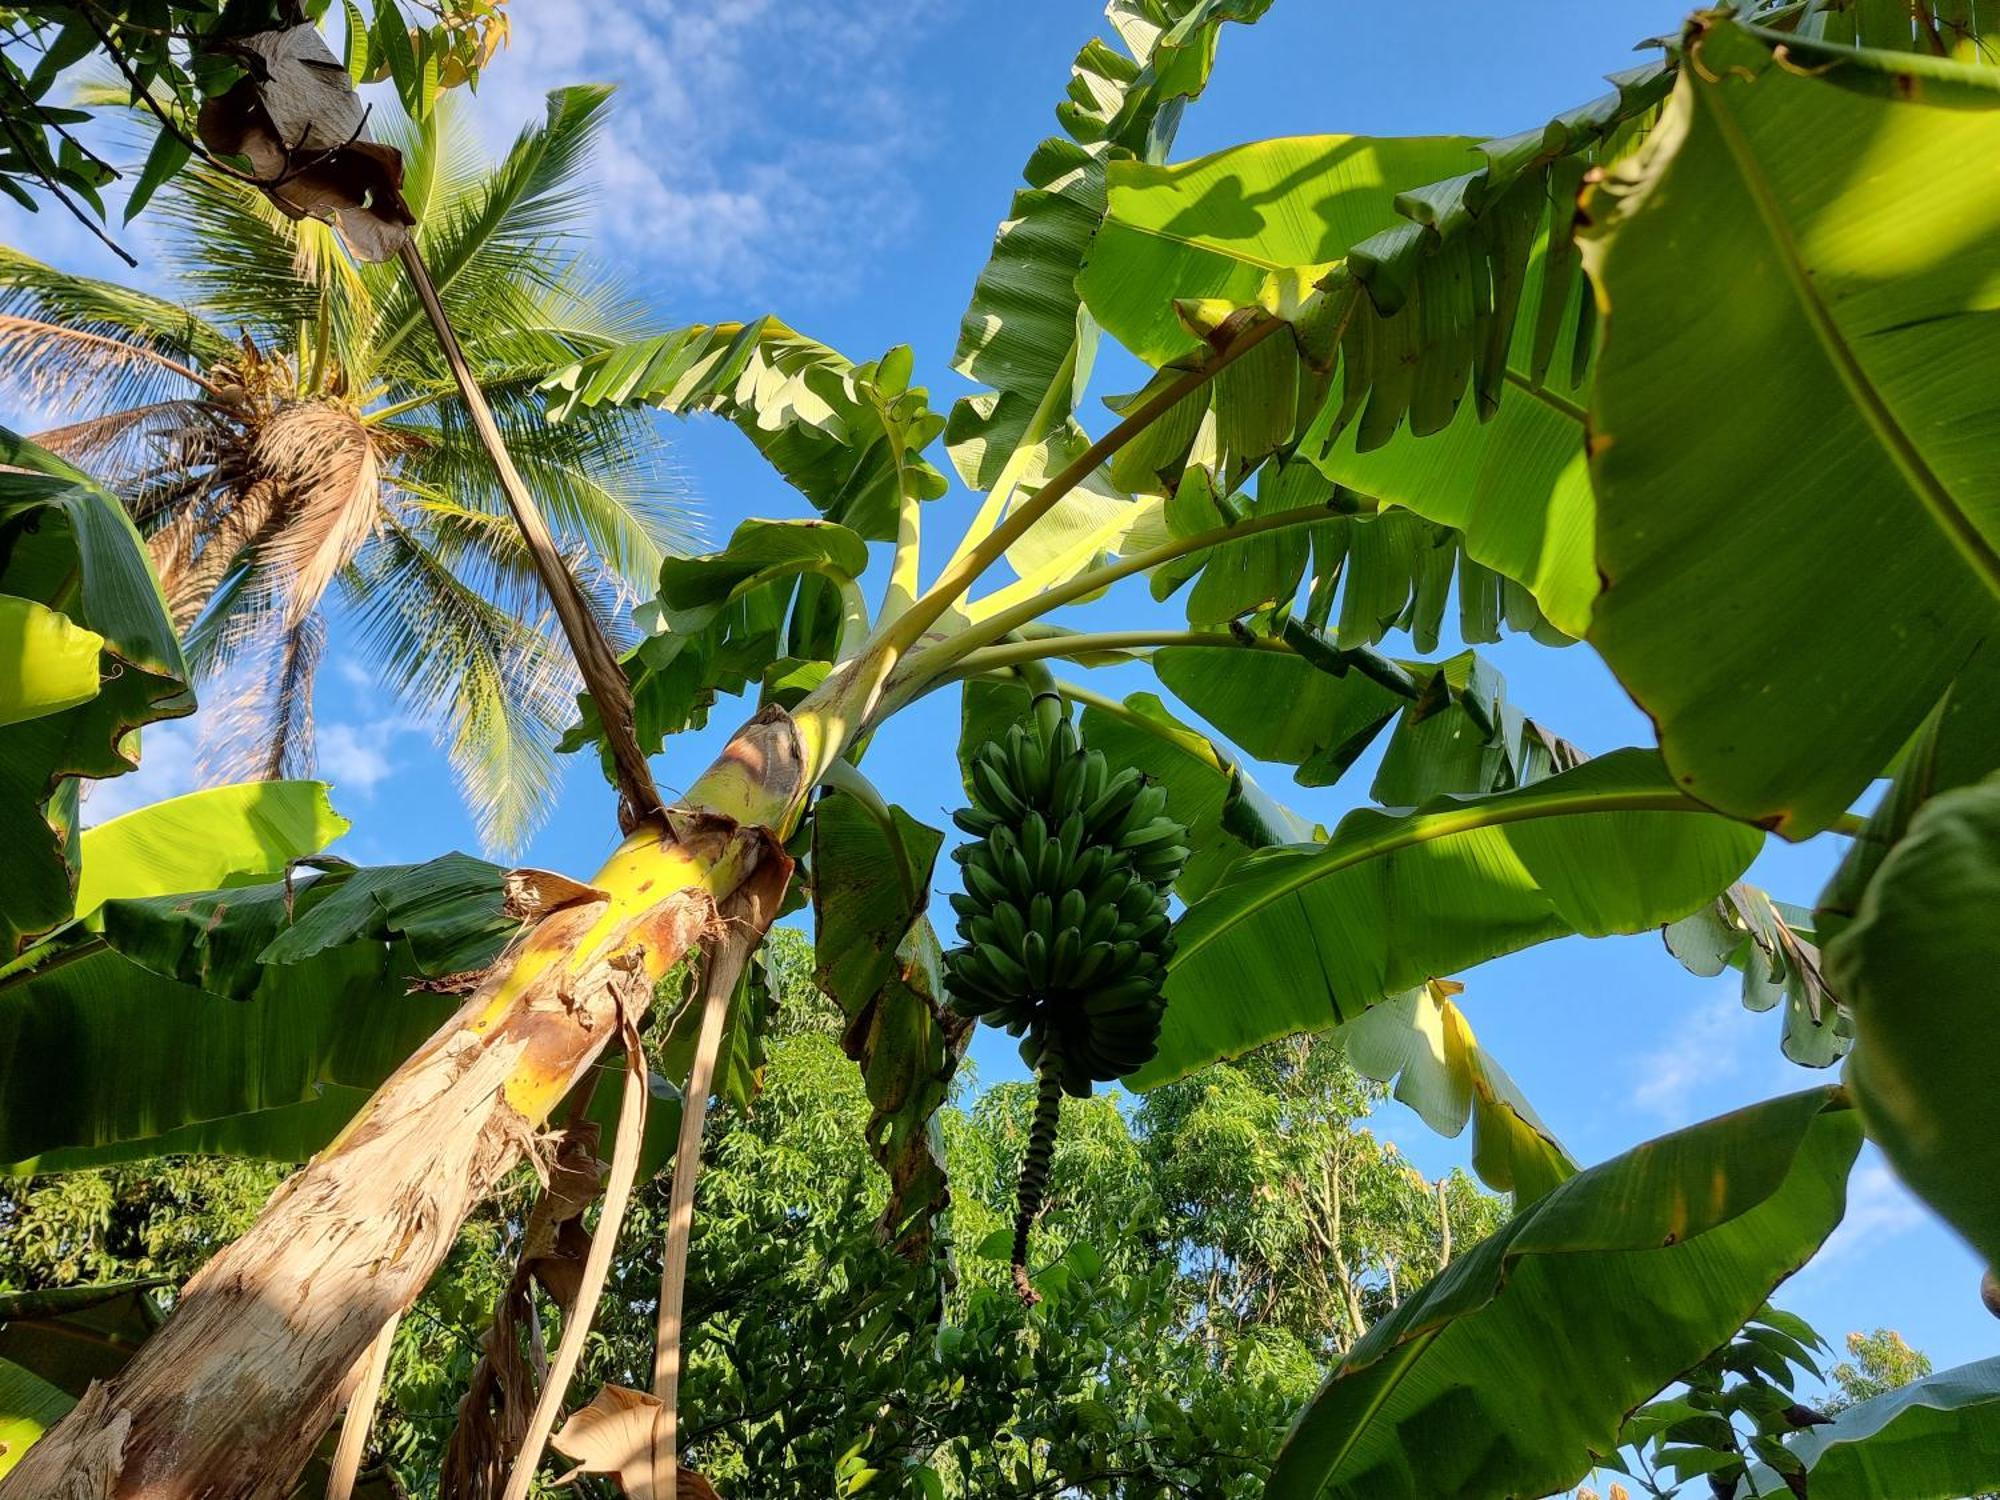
x: 1305, y: 467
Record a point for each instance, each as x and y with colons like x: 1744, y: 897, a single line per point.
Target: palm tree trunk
x: 228, y: 1400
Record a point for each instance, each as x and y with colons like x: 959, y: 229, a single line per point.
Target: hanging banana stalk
x: 1064, y: 921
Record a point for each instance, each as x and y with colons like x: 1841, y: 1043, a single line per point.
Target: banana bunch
x: 1064, y: 913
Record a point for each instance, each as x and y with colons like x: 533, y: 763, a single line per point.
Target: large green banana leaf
x: 1934, y: 1439
x: 1512, y: 1372
x: 47, y: 661
x: 54, y: 1343
x: 225, y: 1021
x: 1411, y: 271
x: 205, y: 839
x: 1025, y: 333
x: 29, y: 1406
x: 1213, y: 230
x: 776, y: 599
x: 1798, y: 512
x: 67, y: 545
x: 1298, y: 939
x: 1920, y: 968
x: 848, y: 437
x: 876, y: 955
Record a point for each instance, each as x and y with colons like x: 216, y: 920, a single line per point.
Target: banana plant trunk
x: 228, y: 1400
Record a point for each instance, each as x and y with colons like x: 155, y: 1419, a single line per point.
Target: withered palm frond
x: 325, y: 465
x: 261, y: 723
x: 127, y: 448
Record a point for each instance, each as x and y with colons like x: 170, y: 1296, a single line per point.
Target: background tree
x: 287, y: 435
x: 1881, y: 1362
x: 811, y: 1357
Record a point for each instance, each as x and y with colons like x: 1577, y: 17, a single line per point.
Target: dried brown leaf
x: 295, y: 117
x: 533, y: 894
x: 613, y: 1435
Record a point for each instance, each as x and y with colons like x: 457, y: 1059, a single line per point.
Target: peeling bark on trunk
x: 228, y: 1400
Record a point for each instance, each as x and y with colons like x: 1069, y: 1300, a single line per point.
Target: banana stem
x: 1032, y: 437
x: 596, y: 1265
x: 746, y: 919
x: 360, y: 1415
x: 1091, y: 580
x: 1079, y: 644
x: 961, y: 575
x: 1035, y: 1168
x: 1200, y: 746
x: 905, y: 580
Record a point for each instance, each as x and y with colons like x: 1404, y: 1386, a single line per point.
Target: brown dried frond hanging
x: 295, y: 117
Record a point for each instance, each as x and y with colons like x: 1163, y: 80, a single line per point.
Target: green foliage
x: 1732, y: 1411
x: 1881, y: 1363
x: 251, y: 1020
x: 774, y: 607
x: 1917, y: 966
x: 1520, y: 1361
x: 1176, y: 1334
x: 849, y: 437
x: 68, y: 550
x: 1399, y: 896
x: 1899, y: 1430
x: 180, y: 53
x: 1879, y: 363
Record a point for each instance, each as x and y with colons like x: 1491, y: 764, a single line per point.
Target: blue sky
x: 843, y: 165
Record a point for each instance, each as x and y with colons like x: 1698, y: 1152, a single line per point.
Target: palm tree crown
x: 287, y: 435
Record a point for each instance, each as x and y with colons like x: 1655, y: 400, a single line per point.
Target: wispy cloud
x: 355, y: 757
x: 1879, y: 1209
x: 168, y: 767
x: 1703, y: 1047
x: 756, y: 145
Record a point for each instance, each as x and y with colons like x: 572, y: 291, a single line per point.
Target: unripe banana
x: 1063, y: 916
x: 981, y: 884
x: 1012, y: 925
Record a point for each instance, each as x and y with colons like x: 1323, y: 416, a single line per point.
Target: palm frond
x: 260, y: 727
x: 508, y: 228
x: 120, y: 448
x: 326, y: 464
x: 493, y: 688
x: 247, y: 265
x: 74, y: 344
x: 598, y: 478
x: 487, y: 552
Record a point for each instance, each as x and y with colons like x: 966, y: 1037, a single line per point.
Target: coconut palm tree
x: 287, y: 435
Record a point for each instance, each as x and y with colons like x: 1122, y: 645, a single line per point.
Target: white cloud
x: 355, y: 757
x: 1879, y: 1208
x: 1703, y: 1047
x: 167, y: 768
x: 755, y: 145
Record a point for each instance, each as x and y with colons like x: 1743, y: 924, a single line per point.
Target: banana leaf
x: 1302, y: 938
x: 1920, y: 968
x: 1798, y: 516
x: 1511, y: 1373
x: 253, y: 1019
x: 1934, y: 1439
x: 67, y: 545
